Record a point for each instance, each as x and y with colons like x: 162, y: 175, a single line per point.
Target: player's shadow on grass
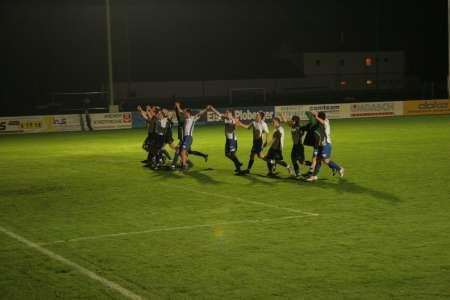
x: 254, y: 178
x: 343, y: 185
x: 201, y: 176
x: 198, y: 175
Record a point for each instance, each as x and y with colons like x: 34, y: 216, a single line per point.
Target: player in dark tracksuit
x: 323, y: 152
x: 159, y: 153
x: 149, y: 115
x: 314, y: 137
x: 275, y: 154
x: 298, y: 150
x: 167, y: 135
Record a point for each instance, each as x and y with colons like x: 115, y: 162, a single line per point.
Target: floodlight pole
x: 448, y: 74
x: 110, y: 67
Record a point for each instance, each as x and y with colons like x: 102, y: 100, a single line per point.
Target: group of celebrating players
x: 316, y: 134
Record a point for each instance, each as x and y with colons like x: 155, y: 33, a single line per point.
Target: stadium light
x: 112, y: 108
x: 448, y: 75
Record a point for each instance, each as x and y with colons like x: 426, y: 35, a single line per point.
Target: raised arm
x: 311, y: 118
x: 285, y: 119
x: 246, y: 126
x: 216, y: 111
x: 202, y: 112
x: 318, y: 119
x: 142, y: 112
x: 178, y: 107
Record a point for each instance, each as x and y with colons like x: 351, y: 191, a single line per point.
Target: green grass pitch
x: 382, y: 232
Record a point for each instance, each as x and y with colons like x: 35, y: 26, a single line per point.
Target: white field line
x: 107, y: 283
x: 255, y: 203
x: 103, y: 236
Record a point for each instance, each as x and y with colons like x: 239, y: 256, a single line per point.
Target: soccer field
x: 80, y: 218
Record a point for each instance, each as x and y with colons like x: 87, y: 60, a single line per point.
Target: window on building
x: 368, y: 61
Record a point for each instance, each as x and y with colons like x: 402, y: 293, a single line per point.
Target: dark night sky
x: 61, y: 45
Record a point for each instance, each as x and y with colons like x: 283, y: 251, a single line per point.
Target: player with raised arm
x: 179, y: 113
x: 168, y: 135
x: 323, y: 152
x: 275, y: 154
x: 260, y: 134
x: 313, y: 138
x: 188, y: 130
x: 159, y: 151
x: 231, y: 145
x: 149, y: 116
x: 298, y: 150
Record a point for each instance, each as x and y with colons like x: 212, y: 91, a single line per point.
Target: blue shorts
x: 323, y: 151
x: 186, y: 143
x: 230, y: 146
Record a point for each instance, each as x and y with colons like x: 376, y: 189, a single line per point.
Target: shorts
x: 257, y: 146
x: 323, y: 151
x: 159, y: 141
x: 149, y: 141
x: 274, y: 154
x: 298, y: 153
x: 230, y: 146
x: 168, y: 138
x: 186, y: 143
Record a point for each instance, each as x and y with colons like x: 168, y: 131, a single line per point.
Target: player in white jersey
x: 260, y: 134
x: 323, y: 153
x: 179, y: 114
x: 188, y: 131
x: 231, y: 145
x: 275, y: 154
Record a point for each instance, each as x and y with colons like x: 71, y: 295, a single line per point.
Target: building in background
x: 353, y: 71
x: 327, y: 76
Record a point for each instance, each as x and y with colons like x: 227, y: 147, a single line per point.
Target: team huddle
x: 316, y: 133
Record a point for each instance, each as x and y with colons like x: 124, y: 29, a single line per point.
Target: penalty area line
x: 188, y: 227
x: 107, y: 283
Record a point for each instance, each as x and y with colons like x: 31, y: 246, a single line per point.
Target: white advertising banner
x: 60, y: 123
x: 109, y: 121
x: 333, y: 111
x: 289, y: 110
x: 28, y: 124
x: 376, y: 109
x: 35, y: 124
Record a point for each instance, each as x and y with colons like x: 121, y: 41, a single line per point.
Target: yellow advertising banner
x: 426, y: 107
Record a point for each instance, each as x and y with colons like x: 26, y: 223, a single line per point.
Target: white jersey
x: 189, y: 124
x: 258, y: 129
x: 161, y: 126
x: 230, y: 128
x: 327, y: 138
